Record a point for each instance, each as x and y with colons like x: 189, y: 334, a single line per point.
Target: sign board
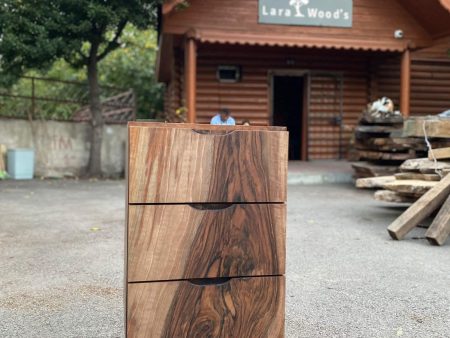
x: 327, y: 13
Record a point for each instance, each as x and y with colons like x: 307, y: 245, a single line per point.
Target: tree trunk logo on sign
x: 298, y: 4
x: 326, y: 13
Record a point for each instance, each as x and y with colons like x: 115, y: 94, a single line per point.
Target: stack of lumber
x: 416, y: 178
x: 425, y: 183
x: 438, y: 197
x: 380, y: 147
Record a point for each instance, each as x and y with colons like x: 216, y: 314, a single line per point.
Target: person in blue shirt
x: 223, y: 118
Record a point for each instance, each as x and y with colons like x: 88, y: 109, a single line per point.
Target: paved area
x: 61, y: 269
x: 319, y: 172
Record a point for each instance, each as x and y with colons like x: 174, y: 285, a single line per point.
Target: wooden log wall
x: 372, y: 27
x: 430, y: 84
x: 173, y: 94
x: 250, y: 98
x: 430, y: 87
x: 366, y: 76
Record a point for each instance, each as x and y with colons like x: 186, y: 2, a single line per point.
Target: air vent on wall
x: 229, y: 74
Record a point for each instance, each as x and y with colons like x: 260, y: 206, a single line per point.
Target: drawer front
x: 184, y: 165
x: 168, y: 242
x: 251, y: 307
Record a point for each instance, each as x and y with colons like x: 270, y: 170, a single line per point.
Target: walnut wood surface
x: 244, y: 308
x: 204, y: 126
x: 184, y: 165
x: 168, y: 242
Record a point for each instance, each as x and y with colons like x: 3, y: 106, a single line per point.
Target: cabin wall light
x: 398, y: 34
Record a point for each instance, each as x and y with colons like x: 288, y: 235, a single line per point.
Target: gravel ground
x: 61, y: 264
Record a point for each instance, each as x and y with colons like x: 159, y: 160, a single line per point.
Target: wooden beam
x: 420, y: 210
x: 190, y: 83
x: 405, y: 83
x: 393, y: 197
x: 435, y: 127
x: 410, y: 187
x: 439, y: 154
x: 374, y: 182
x: 439, y: 230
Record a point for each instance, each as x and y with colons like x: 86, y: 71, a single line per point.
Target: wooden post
x: 190, y: 83
x: 405, y: 83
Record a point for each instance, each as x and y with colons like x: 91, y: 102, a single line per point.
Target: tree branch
x: 113, y: 44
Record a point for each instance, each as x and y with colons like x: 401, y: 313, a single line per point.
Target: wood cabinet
x: 205, y: 234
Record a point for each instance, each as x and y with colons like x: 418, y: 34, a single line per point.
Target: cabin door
x: 288, y: 110
x: 325, y: 116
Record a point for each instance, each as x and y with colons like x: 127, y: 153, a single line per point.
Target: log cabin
x: 310, y: 65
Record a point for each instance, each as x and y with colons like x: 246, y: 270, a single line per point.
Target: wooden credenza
x: 205, y: 233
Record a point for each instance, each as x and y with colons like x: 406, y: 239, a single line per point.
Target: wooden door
x: 325, y: 116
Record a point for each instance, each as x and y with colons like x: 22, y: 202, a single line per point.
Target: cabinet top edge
x: 203, y: 126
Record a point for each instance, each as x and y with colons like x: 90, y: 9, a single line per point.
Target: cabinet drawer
x: 216, y: 165
x: 167, y: 242
x: 250, y: 307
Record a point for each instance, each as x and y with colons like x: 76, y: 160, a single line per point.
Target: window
x: 229, y: 74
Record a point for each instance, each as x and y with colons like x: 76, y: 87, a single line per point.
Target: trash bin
x: 20, y: 164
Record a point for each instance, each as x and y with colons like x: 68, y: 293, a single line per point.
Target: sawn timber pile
x: 424, y: 182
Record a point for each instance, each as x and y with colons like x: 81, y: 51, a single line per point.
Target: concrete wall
x: 62, y: 148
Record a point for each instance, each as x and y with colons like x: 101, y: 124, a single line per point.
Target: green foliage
x: 35, y: 33
x: 3, y: 175
x: 132, y: 66
x: 55, y: 38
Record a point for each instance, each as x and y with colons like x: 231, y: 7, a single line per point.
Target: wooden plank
x: 206, y: 127
x: 368, y: 145
x: 417, y: 176
x: 393, y: 197
x: 374, y: 182
x: 250, y: 307
x: 412, y: 187
x: 424, y: 165
x: 376, y: 129
x: 185, y: 165
x: 385, y: 156
x: 389, y: 120
x: 439, y: 154
x: 439, y: 230
x: 399, y: 141
x: 366, y: 169
x: 420, y: 210
x: 169, y: 242
x: 434, y: 126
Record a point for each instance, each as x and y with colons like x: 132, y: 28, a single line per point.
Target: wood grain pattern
x: 168, y: 242
x: 434, y: 127
x: 205, y: 126
x: 180, y: 165
x: 244, y: 308
x: 420, y: 210
x: 439, y: 230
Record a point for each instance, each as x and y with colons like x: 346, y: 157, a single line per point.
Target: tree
x: 298, y: 4
x: 35, y: 33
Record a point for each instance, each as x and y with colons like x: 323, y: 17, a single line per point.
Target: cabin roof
x: 432, y: 15
x: 302, y: 41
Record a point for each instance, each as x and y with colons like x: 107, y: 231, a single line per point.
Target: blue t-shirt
x: 216, y: 120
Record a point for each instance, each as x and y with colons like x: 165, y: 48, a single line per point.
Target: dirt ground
x: 61, y: 264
